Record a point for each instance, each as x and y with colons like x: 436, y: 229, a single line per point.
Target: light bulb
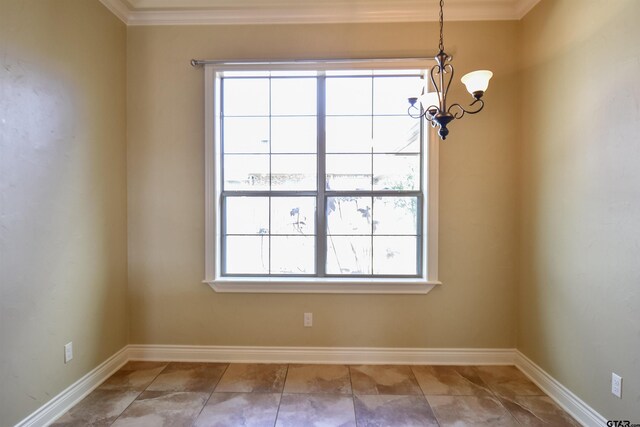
x: 477, y: 82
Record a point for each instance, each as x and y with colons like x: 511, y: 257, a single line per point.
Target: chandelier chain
x: 441, y: 26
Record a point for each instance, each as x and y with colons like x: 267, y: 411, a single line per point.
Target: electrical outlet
x: 308, y: 320
x: 68, y: 352
x: 616, y: 384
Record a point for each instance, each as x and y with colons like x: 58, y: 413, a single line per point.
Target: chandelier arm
x: 426, y: 113
x: 462, y: 111
x: 413, y: 115
x: 445, y: 91
x: 432, y: 72
x: 458, y: 114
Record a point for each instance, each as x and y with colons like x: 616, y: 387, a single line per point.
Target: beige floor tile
x: 538, y: 411
x: 463, y: 411
x: 133, y: 376
x: 253, y: 377
x: 240, y: 410
x: 393, y: 410
x: 508, y: 381
x: 383, y: 379
x: 450, y: 380
x: 180, y: 376
x: 179, y: 394
x: 163, y: 409
x: 309, y: 410
x: 332, y: 379
x: 99, y: 408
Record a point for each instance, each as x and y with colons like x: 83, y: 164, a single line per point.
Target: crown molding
x: 524, y: 6
x: 118, y: 8
x: 237, y: 12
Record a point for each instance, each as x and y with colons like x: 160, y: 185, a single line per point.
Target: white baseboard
x: 61, y: 403
x: 571, y: 403
x: 346, y: 355
x: 566, y: 399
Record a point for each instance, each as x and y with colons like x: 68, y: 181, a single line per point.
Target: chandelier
x: 433, y: 105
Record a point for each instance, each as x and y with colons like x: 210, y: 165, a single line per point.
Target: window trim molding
x: 341, y: 285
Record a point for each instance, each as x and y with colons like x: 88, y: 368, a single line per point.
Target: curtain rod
x: 200, y: 62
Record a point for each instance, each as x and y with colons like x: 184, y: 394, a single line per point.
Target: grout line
x: 495, y: 395
x: 424, y: 395
x: 210, y: 394
x: 141, y: 391
x: 281, y: 395
x: 220, y: 379
x: 353, y: 395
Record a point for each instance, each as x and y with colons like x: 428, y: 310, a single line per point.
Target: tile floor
x: 219, y: 394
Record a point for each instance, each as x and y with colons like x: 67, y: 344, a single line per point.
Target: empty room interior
x: 295, y: 213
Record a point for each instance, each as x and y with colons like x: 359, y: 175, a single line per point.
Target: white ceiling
x: 194, y: 12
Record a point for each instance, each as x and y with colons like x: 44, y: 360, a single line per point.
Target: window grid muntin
x: 270, y: 196
x: 419, y: 230
x: 321, y: 193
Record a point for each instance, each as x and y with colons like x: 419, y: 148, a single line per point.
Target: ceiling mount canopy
x: 433, y: 105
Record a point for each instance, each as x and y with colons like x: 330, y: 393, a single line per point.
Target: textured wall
x: 63, y: 249
x: 580, y: 258
x: 169, y: 305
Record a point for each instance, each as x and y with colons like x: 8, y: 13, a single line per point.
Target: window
x: 318, y: 180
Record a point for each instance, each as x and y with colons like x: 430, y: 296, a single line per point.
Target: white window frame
x: 213, y: 73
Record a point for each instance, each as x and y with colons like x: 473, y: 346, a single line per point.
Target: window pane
x: 395, y: 215
x: 292, y: 255
x: 348, y: 96
x: 348, y: 135
x: 293, y: 172
x: 348, y: 171
x: 246, y: 172
x: 349, y: 215
x: 245, y: 97
x: 247, y: 215
x: 293, y: 215
x: 395, y: 255
x: 269, y: 148
x: 348, y: 255
x: 396, y: 134
x: 246, y: 135
x: 247, y: 255
x: 396, y: 172
x: 391, y: 94
x: 294, y: 96
x: 294, y: 134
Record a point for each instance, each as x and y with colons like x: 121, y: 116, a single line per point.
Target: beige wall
x: 169, y: 305
x: 579, y: 297
x: 540, y: 189
x: 63, y: 246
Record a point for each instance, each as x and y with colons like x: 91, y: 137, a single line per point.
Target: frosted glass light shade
x: 477, y: 81
x: 429, y: 99
x: 419, y: 88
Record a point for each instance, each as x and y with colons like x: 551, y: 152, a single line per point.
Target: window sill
x: 321, y: 285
